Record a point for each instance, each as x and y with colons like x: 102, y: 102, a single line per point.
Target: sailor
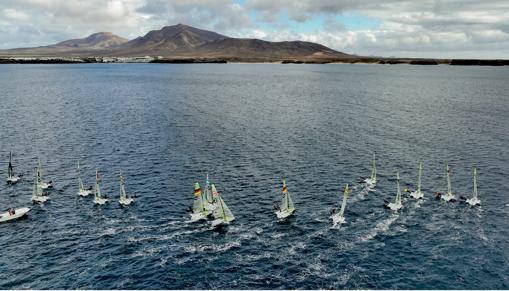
x: 50, y: 184
x: 190, y: 209
x: 333, y: 211
x: 438, y: 195
x: 11, y: 211
x: 386, y: 203
x: 90, y: 188
x: 276, y: 207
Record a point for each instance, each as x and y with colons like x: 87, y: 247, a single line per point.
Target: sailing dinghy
x: 448, y: 196
x: 81, y: 189
x: 339, y: 218
x: 371, y: 181
x: 201, y: 206
x: 418, y: 194
x: 222, y: 214
x: 474, y: 201
x: 37, y: 193
x: 286, y: 208
x: 12, y: 214
x: 124, y: 199
x: 98, y: 198
x: 396, y: 205
x: 11, y: 177
x: 44, y: 185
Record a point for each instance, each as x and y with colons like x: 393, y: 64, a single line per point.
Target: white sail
x: 221, y: 210
x: 343, y: 204
x: 474, y: 194
x: 37, y: 193
x: 80, y: 182
x: 97, y: 188
x: 418, y: 194
x: 398, y: 196
x: 200, y: 201
x: 208, y: 192
x: 286, y: 200
x: 396, y: 205
x: 449, y: 195
x: 124, y: 199
x: 373, y: 170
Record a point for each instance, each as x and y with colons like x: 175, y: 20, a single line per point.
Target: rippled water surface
x: 249, y: 126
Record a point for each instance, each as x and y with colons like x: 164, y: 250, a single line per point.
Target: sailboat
x: 474, y: 201
x: 418, y: 194
x: 371, y: 181
x: 339, y: 218
x: 222, y: 214
x: 37, y: 193
x: 201, y: 206
x: 286, y: 208
x: 11, y: 177
x: 81, y: 189
x: 396, y: 205
x: 448, y: 196
x: 12, y: 214
x: 123, y: 200
x: 98, y: 199
x: 43, y: 184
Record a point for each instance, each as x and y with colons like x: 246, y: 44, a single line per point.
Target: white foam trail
x: 380, y: 227
x: 212, y: 248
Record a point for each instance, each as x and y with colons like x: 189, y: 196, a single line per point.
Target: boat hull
x: 284, y: 214
x: 395, y: 206
x: 337, y: 219
x: 100, y: 201
x: 45, y: 186
x: 18, y: 213
x: 370, y: 182
x: 39, y: 199
x: 199, y: 216
x: 84, y: 193
x: 12, y: 180
x: 417, y: 195
x: 474, y: 202
x: 126, y: 201
x: 448, y: 197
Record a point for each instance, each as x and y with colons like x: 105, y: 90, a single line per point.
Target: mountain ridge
x: 181, y: 41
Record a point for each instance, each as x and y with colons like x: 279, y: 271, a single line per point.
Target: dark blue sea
x: 249, y: 126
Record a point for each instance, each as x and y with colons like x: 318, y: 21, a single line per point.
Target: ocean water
x: 248, y: 126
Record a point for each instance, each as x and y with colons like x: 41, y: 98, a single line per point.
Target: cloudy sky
x: 419, y: 28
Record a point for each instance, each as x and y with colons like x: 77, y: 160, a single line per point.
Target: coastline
x: 229, y: 60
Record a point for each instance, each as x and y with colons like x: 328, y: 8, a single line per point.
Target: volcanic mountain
x: 183, y: 41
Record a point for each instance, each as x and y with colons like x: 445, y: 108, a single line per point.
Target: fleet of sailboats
x: 418, y: 194
x: 339, y: 218
x: 209, y: 204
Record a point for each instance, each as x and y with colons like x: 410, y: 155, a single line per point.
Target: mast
x: 419, y: 179
x: 449, y: 191
x: 475, y: 182
x: 398, y: 196
x: 345, y: 197
x: 373, y: 171
x: 285, y: 192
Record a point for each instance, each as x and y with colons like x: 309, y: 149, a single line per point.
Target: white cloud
x: 421, y: 28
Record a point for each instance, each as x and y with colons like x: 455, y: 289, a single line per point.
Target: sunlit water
x: 249, y: 126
